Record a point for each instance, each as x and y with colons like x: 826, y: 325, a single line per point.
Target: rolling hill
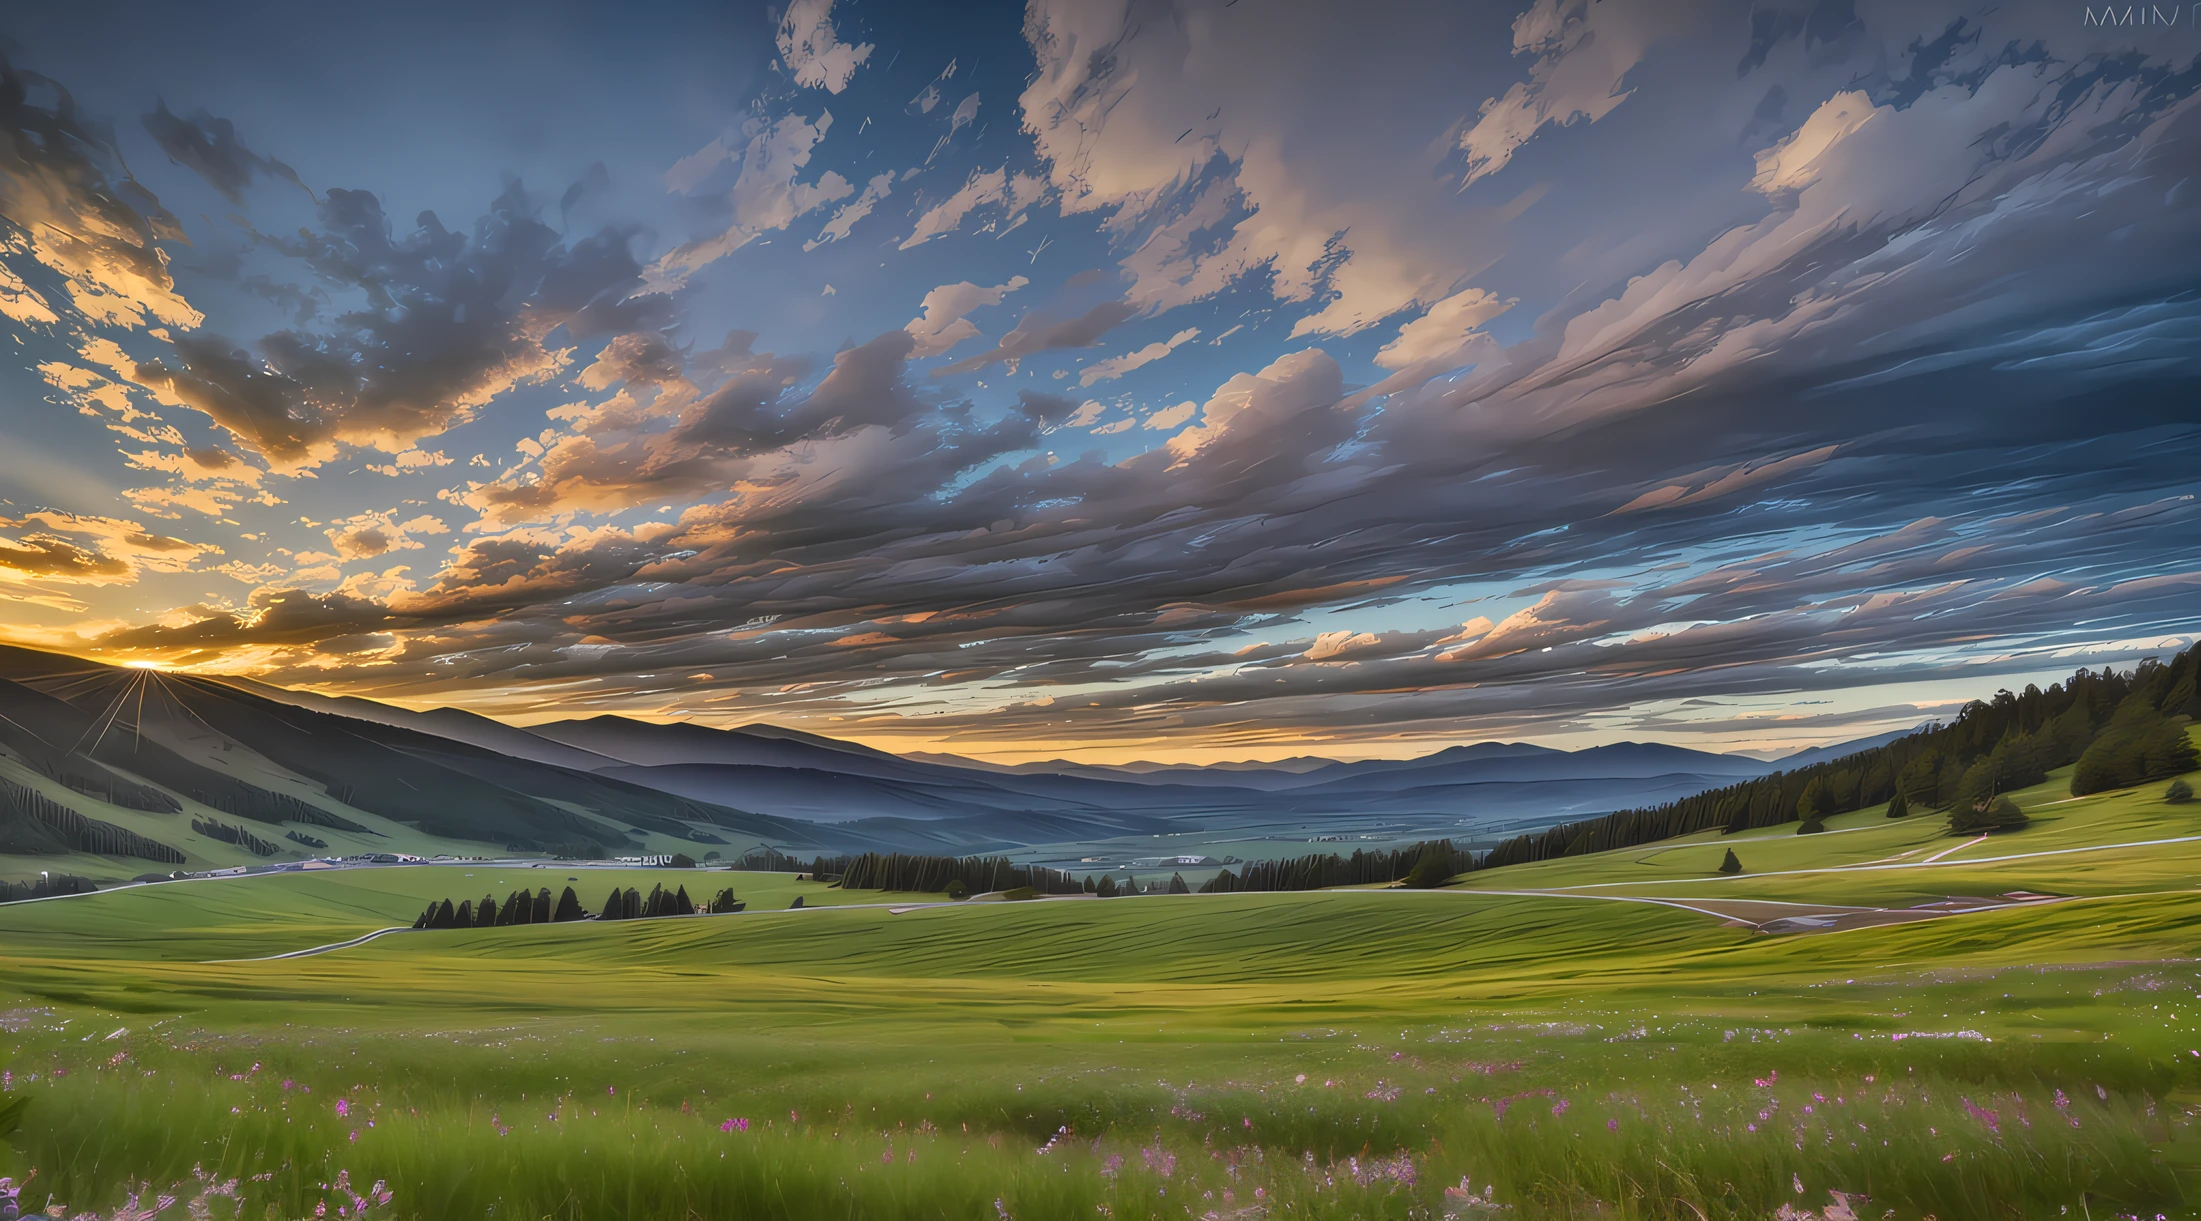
x: 113, y: 770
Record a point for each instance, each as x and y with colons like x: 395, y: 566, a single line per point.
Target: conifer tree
x: 1090, y: 885
x: 542, y: 906
x: 425, y: 917
x: 1177, y: 885
x: 1107, y: 887
x: 631, y: 907
x: 614, y: 906
x: 485, y: 913
x: 445, y: 917
x: 1814, y: 802
x: 1736, y: 815
x: 1732, y: 863
x: 1434, y: 867
x: 1899, y: 806
x: 682, y: 904
x: 569, y: 907
x: 464, y: 917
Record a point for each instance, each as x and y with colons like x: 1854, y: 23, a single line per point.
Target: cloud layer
x: 1604, y: 369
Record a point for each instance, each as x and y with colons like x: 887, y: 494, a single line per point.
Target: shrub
x: 957, y: 890
x: 2001, y: 814
x: 1732, y: 863
x: 41, y: 887
x: 1811, y: 826
x: 2179, y: 793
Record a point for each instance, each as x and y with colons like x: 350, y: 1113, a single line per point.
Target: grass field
x: 1339, y: 1054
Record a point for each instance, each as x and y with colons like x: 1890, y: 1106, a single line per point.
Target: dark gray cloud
x: 1891, y: 375
x: 1035, y: 332
x: 209, y: 147
x: 451, y: 321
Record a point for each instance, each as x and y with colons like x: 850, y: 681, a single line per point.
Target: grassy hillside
x: 1346, y: 1053
x: 1578, y: 1037
x: 245, y: 917
x: 2124, y: 841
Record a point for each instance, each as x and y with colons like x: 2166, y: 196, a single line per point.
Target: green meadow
x: 1473, y: 1051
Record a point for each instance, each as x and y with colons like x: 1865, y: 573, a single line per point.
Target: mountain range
x: 124, y: 762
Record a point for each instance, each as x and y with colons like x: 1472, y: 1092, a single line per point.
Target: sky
x: 1174, y: 380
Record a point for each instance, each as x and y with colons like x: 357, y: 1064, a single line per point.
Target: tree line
x: 45, y: 887
x: 81, y: 774
x: 521, y: 907
x: 2120, y: 728
x: 939, y: 874
x: 1424, y: 864
x: 631, y: 904
x: 234, y: 835
x: 772, y: 860
x: 31, y: 822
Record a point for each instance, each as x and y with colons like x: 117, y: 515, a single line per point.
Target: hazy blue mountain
x: 162, y: 743
x: 1822, y: 754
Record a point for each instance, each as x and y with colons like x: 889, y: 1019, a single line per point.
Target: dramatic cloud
x: 452, y: 321
x: 1191, y: 126
x: 1591, y: 367
x: 91, y: 550
x: 68, y: 206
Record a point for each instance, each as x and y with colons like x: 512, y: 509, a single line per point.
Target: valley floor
x: 1625, y: 1035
